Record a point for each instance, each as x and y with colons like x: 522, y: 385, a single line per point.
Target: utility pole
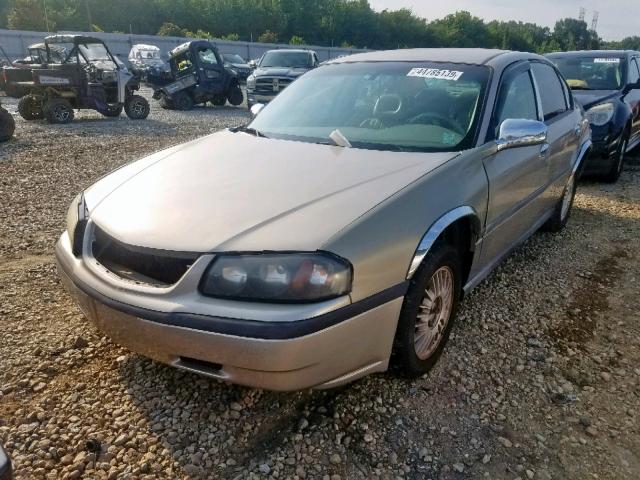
x: 594, y: 22
x: 46, y: 17
x: 86, y: 3
x: 583, y: 13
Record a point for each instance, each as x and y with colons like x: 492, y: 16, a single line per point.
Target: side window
x: 516, y: 100
x: 207, y: 56
x: 552, y: 94
x: 634, y: 71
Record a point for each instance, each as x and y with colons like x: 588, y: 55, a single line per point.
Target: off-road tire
x: 404, y: 354
x: 137, y: 107
x: 7, y: 125
x: 219, y: 100
x: 562, y: 211
x: 112, y: 111
x: 58, y: 111
x: 182, y: 101
x: 235, y: 96
x: 30, y: 108
x: 618, y: 165
x: 166, y: 103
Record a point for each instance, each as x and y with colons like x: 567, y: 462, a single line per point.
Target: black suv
x: 275, y: 70
x: 607, y: 84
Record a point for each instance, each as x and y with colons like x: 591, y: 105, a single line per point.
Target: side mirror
x: 521, y: 133
x: 253, y: 64
x: 256, y: 109
x: 631, y: 86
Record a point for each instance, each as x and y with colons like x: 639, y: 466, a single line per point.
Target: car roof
x: 296, y: 50
x: 592, y: 53
x: 68, y: 38
x: 472, y: 56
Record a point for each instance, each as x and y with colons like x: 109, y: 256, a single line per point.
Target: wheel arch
x: 460, y: 227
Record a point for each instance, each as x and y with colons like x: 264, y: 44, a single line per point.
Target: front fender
x: 436, y: 229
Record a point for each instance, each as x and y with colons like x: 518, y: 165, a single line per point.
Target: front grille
x: 265, y: 85
x: 158, y: 267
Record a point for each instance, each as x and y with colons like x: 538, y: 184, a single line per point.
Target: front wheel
x: 618, y: 164
x: 7, y: 125
x: 58, y: 111
x: 428, y: 311
x: 136, y: 107
x: 30, y: 107
x: 235, y: 96
x: 182, y: 101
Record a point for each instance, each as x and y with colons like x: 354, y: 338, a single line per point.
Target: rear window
x: 601, y: 72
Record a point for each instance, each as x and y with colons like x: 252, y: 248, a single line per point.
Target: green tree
x: 27, y: 15
x: 268, y: 37
x: 171, y: 30
x: 572, y: 34
x: 296, y: 40
x: 232, y: 37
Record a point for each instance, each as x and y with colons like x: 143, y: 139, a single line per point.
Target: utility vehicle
x: 89, y: 77
x: 198, y: 76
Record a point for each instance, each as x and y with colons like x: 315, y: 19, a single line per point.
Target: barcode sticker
x: 435, y: 73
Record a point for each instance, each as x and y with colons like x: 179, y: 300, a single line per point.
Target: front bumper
x: 604, y: 151
x: 331, y: 356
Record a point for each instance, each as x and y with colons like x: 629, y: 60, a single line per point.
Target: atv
x: 89, y: 77
x: 197, y: 76
x: 7, y: 125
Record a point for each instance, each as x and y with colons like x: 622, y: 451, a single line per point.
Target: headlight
x: 76, y: 223
x: 277, y: 277
x: 601, y: 114
x: 251, y: 82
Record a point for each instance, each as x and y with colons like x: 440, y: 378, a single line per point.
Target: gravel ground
x: 541, y: 378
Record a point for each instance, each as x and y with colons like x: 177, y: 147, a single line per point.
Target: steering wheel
x: 439, y: 120
x: 388, y: 105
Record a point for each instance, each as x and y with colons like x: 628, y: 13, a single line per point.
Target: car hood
x: 243, y: 66
x: 279, y: 72
x: 236, y: 192
x: 589, y: 98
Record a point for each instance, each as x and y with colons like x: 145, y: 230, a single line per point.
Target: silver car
x: 339, y: 230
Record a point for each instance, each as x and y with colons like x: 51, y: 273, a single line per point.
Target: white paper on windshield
x: 435, y: 73
x: 606, y: 60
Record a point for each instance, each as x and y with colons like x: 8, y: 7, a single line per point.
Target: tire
x: 415, y: 355
x: 112, y: 111
x: 58, y: 111
x: 235, y: 96
x: 30, y: 108
x: 137, y: 107
x: 7, y: 125
x: 182, y: 101
x: 562, y: 212
x: 618, y: 165
x: 166, y: 103
x: 219, y: 100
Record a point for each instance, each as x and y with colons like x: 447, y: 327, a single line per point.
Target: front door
x: 210, y: 69
x: 517, y: 176
x: 633, y: 100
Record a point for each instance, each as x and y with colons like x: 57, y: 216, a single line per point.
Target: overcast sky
x: 618, y: 18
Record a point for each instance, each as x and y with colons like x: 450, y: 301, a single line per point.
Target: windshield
x: 149, y: 54
x: 591, y: 73
x: 234, y: 58
x: 286, y: 59
x: 381, y: 106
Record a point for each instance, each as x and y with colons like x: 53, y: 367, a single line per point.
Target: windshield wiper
x: 249, y: 130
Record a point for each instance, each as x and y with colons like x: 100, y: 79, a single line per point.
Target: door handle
x: 544, y: 150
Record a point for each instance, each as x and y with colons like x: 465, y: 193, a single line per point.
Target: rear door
x: 564, y: 128
x: 517, y: 176
x: 633, y: 100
